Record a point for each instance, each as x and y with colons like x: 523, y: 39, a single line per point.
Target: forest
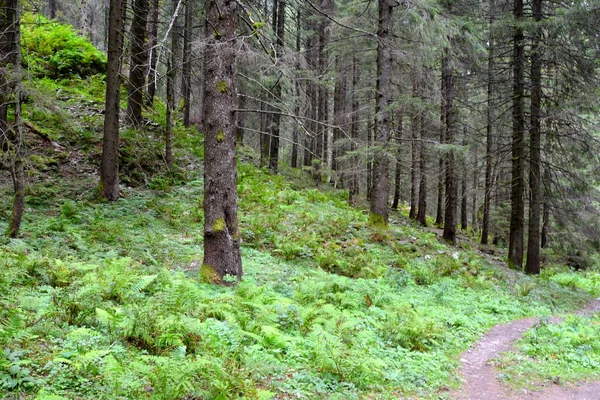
x: 299, y: 199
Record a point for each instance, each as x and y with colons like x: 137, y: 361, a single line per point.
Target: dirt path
x: 479, y: 376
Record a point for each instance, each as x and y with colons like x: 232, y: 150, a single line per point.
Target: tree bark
x: 10, y: 57
x: 546, y: 210
x: 381, y: 166
x: 279, y: 27
x: 354, y: 132
x: 84, y: 21
x: 52, y: 9
x: 517, y: 214
x: 532, y: 265
x: 415, y: 152
x: 221, y: 231
x: 422, y: 212
x: 451, y: 187
x: 137, y: 63
x: 152, y: 54
x: 186, y: 75
x: 109, y: 170
x: 398, y: 172
x: 296, y: 132
x: 339, y: 115
x: 489, y: 146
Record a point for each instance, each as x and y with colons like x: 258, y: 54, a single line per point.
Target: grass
x: 103, y: 300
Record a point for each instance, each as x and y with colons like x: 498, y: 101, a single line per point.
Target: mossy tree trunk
x: 109, y: 169
x: 10, y: 67
x: 186, y: 74
x: 221, y: 231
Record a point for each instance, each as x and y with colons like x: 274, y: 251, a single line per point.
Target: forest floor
x: 104, y: 301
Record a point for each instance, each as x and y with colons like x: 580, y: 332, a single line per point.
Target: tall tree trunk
x: 279, y: 27
x: 354, y: 132
x: 489, y: 146
x: 296, y: 132
x: 152, y: 53
x: 169, y: 114
x: 451, y: 188
x: 137, y: 63
x: 532, y: 265
x: 186, y: 75
x: 381, y: 166
x: 398, y: 172
x: 517, y: 201
x: 109, y: 170
x: 439, y: 216
x: 171, y: 75
x: 422, y: 212
x: 415, y: 152
x: 10, y: 57
x: 339, y: 116
x: 221, y: 227
x: 370, y: 132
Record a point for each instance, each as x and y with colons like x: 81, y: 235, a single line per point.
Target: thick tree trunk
x: 517, y: 201
x: 532, y: 265
x: 10, y: 56
x: 279, y: 28
x: 451, y: 185
x: 487, y: 194
x: 109, y: 170
x: 221, y: 231
x: 186, y: 75
x: 381, y: 166
x: 137, y: 63
x: 152, y: 53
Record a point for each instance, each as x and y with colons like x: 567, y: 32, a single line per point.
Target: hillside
x: 105, y: 300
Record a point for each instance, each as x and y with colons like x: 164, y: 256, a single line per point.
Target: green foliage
x: 55, y: 50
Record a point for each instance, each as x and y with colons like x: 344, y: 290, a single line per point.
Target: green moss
x: 219, y: 225
x: 209, y: 275
x: 222, y: 86
x: 220, y: 136
x: 377, y: 221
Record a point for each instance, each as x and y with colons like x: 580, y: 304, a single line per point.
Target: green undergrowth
x: 103, y: 300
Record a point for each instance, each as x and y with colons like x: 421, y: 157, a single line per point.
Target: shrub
x: 54, y: 50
